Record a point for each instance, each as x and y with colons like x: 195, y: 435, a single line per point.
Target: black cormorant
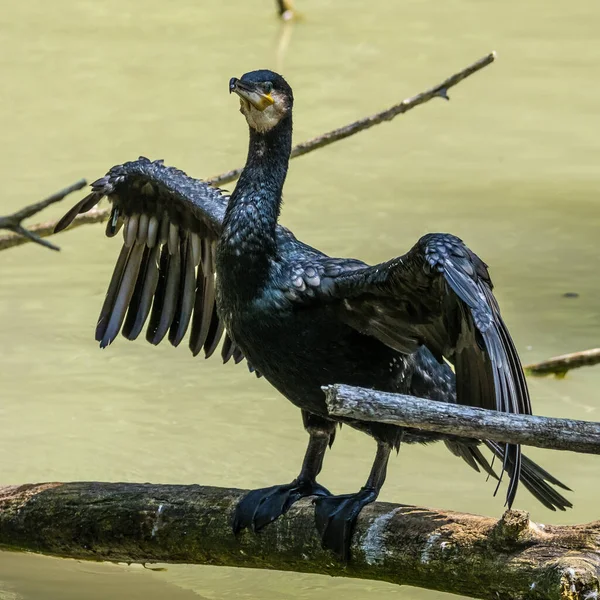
x: 304, y: 320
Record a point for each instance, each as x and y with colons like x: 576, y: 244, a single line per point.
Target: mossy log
x: 406, y: 545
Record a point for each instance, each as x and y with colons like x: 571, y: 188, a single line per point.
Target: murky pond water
x: 510, y: 165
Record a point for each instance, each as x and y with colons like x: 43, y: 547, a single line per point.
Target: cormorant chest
x: 299, y: 349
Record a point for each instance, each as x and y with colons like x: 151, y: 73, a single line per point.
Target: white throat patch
x: 264, y: 120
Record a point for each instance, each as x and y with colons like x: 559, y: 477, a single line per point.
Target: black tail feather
x: 537, y: 480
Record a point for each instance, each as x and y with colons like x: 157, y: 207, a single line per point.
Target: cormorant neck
x: 252, y: 213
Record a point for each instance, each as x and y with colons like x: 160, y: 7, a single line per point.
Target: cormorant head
x: 265, y: 98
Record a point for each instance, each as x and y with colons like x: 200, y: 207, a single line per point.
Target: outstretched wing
x: 166, y: 267
x: 440, y: 295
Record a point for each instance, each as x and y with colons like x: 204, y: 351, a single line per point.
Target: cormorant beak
x: 251, y: 94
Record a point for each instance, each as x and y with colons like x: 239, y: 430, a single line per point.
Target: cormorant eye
x: 268, y: 87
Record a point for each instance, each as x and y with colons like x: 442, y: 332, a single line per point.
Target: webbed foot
x: 261, y: 507
x: 335, y: 517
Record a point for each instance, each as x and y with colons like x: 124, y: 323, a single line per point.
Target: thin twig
x: 561, y: 365
x: 439, y: 91
x: 96, y: 215
x: 13, y: 222
x: 464, y: 421
x: 320, y: 141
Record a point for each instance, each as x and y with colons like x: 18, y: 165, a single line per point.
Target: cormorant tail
x: 537, y: 480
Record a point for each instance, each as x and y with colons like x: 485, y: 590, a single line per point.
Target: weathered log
x: 453, y: 552
x: 465, y: 421
x: 561, y: 365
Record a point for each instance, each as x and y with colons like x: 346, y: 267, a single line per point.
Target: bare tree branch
x: 13, y: 222
x: 96, y: 215
x: 406, y: 545
x: 561, y: 365
x: 465, y: 421
x: 439, y: 91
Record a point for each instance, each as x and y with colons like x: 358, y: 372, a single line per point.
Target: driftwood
x: 561, y: 365
x: 453, y: 552
x: 439, y: 91
x: 466, y: 421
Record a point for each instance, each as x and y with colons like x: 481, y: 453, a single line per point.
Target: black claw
x: 335, y: 517
x: 260, y: 507
x: 270, y: 507
x: 443, y: 93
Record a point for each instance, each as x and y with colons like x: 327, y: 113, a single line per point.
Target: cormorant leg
x: 336, y: 515
x: 261, y: 507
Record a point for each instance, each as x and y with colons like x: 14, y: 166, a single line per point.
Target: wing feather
x: 165, y: 272
x: 440, y: 295
x: 185, y: 300
x: 111, y: 293
x: 138, y: 313
x: 123, y: 296
x: 134, y: 304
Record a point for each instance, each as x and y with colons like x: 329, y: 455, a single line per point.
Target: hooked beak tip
x: 232, y: 83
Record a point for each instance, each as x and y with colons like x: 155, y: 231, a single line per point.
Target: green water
x: 510, y: 165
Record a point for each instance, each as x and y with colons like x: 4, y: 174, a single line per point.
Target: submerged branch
x: 561, y: 365
x: 465, y: 421
x: 35, y: 233
x: 406, y: 545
